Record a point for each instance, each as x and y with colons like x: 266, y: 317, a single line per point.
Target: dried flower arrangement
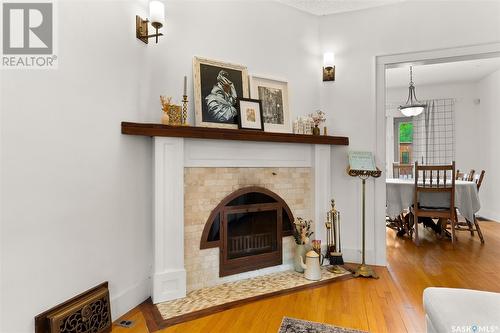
x: 318, y: 117
x: 302, y: 231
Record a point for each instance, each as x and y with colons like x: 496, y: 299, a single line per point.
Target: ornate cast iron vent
x: 89, y: 312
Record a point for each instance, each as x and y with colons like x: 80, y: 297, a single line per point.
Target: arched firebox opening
x: 248, y: 226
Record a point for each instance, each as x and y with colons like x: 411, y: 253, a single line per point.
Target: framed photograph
x: 274, y: 96
x: 250, y: 114
x: 217, y: 88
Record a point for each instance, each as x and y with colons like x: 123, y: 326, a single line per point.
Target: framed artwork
x: 250, y: 114
x: 217, y: 88
x: 274, y: 96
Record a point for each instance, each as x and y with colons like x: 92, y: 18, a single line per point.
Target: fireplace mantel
x: 146, y: 129
x: 177, y: 148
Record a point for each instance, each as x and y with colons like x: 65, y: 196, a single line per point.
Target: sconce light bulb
x: 156, y: 13
x: 328, y: 60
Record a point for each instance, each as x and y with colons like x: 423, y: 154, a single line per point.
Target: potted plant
x: 301, y: 233
x: 317, y: 117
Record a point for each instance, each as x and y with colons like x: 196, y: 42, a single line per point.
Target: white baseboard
x: 130, y: 298
x: 489, y: 215
x: 354, y: 255
x: 169, y: 285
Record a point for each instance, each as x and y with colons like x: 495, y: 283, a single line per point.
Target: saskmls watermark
x: 474, y: 328
x: 28, y: 35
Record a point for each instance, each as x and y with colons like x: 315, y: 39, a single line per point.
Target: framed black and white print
x: 250, y: 114
x: 274, y: 96
x: 217, y: 88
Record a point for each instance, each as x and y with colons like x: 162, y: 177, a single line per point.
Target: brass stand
x: 364, y: 270
x: 184, y: 110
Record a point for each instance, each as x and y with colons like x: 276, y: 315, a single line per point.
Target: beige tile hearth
x: 210, y: 297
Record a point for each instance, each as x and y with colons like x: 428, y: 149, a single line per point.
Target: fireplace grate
x: 255, y: 243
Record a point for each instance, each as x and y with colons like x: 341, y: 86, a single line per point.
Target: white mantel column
x: 169, y: 275
x: 322, y: 169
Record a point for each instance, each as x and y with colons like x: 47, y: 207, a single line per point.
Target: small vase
x: 316, y: 130
x: 300, y: 251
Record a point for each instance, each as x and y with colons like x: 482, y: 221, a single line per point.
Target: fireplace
x: 248, y: 226
x: 192, y: 176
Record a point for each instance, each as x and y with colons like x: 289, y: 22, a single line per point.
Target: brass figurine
x: 165, y: 106
x: 172, y: 114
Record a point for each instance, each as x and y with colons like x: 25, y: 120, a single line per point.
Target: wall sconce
x: 157, y: 19
x: 329, y: 66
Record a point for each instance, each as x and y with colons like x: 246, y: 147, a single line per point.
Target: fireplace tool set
x: 333, y: 246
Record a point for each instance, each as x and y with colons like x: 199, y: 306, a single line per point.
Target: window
x: 405, y: 132
x: 403, y: 140
x: 434, y: 136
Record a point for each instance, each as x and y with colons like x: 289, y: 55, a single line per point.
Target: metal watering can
x: 311, y: 266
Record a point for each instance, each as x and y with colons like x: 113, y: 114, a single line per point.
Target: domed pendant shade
x: 412, y: 107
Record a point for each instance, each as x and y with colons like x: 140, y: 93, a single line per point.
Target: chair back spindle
x: 399, y: 170
x: 479, y: 180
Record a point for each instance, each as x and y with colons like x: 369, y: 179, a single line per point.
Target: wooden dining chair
x: 479, y: 179
x: 469, y: 176
x: 399, y: 169
x: 434, y: 179
x: 466, y: 225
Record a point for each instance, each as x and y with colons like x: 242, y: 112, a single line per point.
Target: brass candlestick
x: 184, y: 110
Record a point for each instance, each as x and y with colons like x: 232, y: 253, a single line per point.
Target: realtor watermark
x: 28, y: 40
x: 474, y: 329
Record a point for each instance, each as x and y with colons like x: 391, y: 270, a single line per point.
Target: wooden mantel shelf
x: 227, y: 134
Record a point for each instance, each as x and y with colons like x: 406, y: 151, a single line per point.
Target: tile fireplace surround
x: 205, y: 188
x: 191, y: 176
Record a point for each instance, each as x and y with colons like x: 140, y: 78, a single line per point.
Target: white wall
x: 76, y: 194
x: 466, y: 117
x: 269, y: 38
x: 489, y: 158
x: 357, y: 38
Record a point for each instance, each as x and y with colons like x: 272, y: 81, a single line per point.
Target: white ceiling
x: 459, y: 71
x: 327, y: 7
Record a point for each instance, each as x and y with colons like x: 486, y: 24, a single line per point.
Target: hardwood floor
x: 391, y: 304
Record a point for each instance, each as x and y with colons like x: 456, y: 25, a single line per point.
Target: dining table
x: 400, y: 192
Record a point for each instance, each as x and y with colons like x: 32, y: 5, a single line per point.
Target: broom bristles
x: 336, y: 258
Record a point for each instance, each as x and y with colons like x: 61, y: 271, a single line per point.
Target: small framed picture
x: 250, y: 114
x: 274, y: 96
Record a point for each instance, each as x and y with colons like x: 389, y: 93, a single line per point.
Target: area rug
x: 205, y: 301
x: 292, y: 325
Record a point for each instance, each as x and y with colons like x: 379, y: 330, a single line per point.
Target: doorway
x: 388, y: 132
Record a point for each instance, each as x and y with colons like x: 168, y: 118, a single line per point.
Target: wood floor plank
x: 392, y: 303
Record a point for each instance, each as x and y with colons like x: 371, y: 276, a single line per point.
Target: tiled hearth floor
x: 232, y: 292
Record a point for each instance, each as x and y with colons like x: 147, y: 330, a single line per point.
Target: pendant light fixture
x: 412, y: 107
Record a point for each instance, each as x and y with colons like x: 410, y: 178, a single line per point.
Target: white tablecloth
x: 400, y: 196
